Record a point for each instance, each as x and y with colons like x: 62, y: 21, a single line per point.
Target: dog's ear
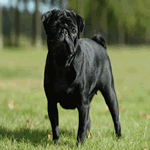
x: 80, y: 23
x: 46, y: 18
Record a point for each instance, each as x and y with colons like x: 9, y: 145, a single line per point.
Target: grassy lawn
x: 24, y: 123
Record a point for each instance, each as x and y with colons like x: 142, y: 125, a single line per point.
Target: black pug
x: 75, y: 70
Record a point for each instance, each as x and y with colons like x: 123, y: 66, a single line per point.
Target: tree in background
x: 63, y: 4
x: 17, y: 25
x: 125, y: 17
x: 25, y: 5
x: 1, y: 33
x: 37, y: 39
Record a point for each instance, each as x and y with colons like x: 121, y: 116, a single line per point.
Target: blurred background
x: 24, y: 123
x: 123, y: 22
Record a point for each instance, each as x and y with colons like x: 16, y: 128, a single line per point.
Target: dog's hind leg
x: 109, y: 95
x: 88, y: 124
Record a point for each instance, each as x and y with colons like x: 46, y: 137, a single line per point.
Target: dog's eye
x: 73, y: 31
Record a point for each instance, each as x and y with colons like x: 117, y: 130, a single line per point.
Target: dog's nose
x: 64, y: 31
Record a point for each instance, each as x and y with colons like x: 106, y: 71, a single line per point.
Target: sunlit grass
x: 24, y: 123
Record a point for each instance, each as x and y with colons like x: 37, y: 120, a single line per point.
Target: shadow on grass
x: 35, y: 137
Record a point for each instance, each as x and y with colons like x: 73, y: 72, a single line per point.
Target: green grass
x: 24, y: 123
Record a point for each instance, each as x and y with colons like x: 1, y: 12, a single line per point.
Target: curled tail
x: 99, y: 39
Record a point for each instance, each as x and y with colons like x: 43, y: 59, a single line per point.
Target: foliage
x: 129, y: 14
x: 73, y: 5
x: 123, y: 11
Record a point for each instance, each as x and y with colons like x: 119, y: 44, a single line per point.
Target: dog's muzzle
x: 65, y: 32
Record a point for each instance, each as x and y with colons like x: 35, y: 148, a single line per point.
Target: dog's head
x: 63, y: 29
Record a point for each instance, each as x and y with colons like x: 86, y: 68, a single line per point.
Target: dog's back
x: 99, y: 39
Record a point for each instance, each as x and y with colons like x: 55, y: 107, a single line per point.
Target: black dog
x: 75, y: 70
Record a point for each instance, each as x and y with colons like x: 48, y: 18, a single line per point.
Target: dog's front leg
x: 53, y: 116
x: 83, y: 110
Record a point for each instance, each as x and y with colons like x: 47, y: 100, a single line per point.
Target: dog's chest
x: 62, y: 78
x: 64, y: 88
x: 65, y: 94
x: 60, y: 84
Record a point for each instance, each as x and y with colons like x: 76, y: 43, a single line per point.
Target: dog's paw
x: 56, y: 141
x: 119, y: 135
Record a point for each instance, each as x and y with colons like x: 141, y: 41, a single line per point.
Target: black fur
x: 75, y: 70
x: 99, y: 39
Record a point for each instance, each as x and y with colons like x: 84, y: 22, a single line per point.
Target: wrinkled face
x: 63, y: 29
